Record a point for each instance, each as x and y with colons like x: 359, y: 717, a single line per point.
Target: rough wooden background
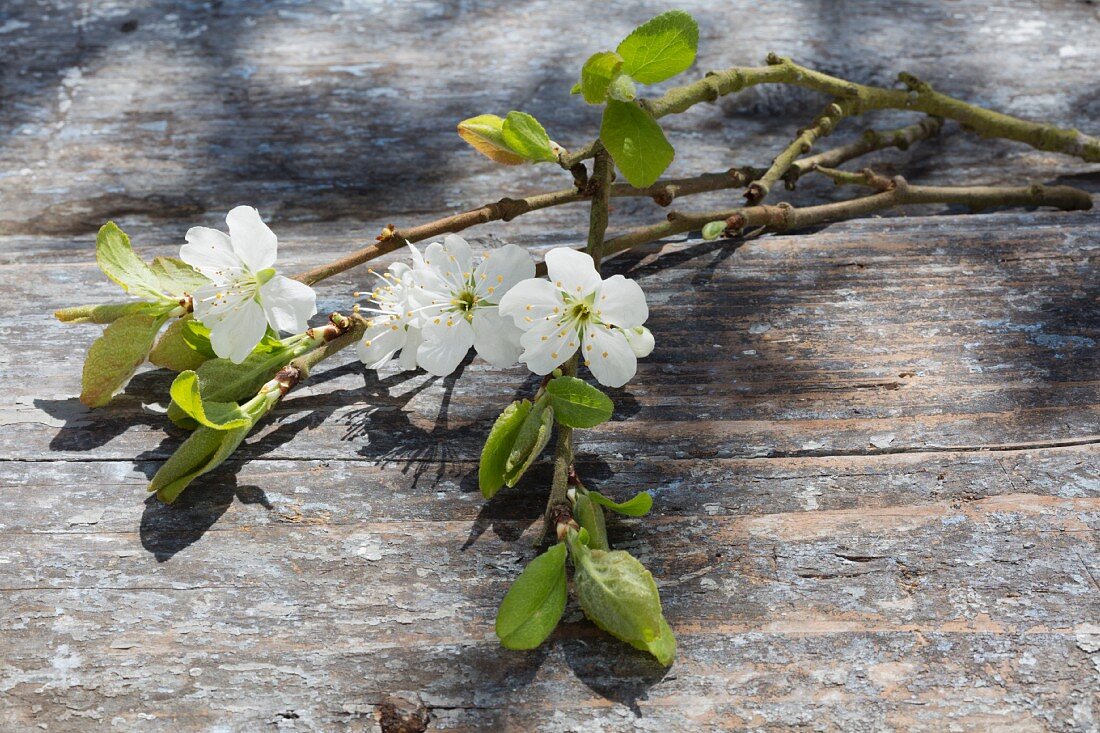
x: 873, y: 448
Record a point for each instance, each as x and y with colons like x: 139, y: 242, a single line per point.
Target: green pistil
x: 263, y: 276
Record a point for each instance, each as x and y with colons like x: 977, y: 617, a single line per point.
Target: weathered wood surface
x: 873, y: 447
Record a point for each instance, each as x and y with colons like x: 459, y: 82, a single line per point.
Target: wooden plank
x: 873, y: 448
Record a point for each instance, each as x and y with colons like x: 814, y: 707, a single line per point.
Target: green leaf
x: 107, y: 312
x: 597, y: 74
x: 220, y: 380
x: 197, y: 336
x: 217, y: 415
x: 714, y: 229
x: 577, y: 403
x: 202, y: 452
x: 591, y: 518
x: 636, y: 142
x: 174, y: 352
x: 660, y: 48
x: 575, y: 89
x: 638, y: 506
x: 523, y: 134
x: 534, y: 604
x: 618, y: 594
x: 176, y: 277
x: 115, y: 356
x: 498, y: 446
x: 117, y: 260
x: 485, y: 134
x: 532, y: 437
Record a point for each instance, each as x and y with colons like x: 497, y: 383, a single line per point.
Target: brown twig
x: 822, y: 126
x: 784, y: 217
x: 663, y: 192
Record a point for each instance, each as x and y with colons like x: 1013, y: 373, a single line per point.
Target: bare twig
x: 918, y: 96
x: 784, y: 217
x: 663, y: 192
x: 822, y: 125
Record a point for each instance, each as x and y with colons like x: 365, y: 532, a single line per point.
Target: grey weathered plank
x: 885, y: 518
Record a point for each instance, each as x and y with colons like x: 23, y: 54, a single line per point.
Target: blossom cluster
x: 431, y: 313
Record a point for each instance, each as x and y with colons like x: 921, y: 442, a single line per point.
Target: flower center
x: 579, y: 310
x: 465, y: 302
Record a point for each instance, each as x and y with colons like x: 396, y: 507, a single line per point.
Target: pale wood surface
x: 873, y: 448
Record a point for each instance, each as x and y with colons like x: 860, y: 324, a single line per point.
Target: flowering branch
x: 558, y: 510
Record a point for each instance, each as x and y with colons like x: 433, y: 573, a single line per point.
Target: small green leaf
x: 636, y: 142
x: 116, y: 258
x: 524, y: 135
x: 714, y: 229
x: 597, y: 74
x: 575, y: 89
x: 484, y: 134
x: 660, y: 48
x: 106, y: 312
x: 217, y: 415
x: 220, y: 380
x: 202, y: 452
x: 618, y: 594
x: 115, y: 356
x: 534, y: 604
x: 623, y: 89
x: 638, y: 506
x: 532, y: 437
x: 498, y: 446
x: 176, y: 277
x: 174, y: 352
x: 577, y: 403
x: 591, y: 518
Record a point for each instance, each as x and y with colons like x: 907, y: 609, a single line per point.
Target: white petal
x: 253, y: 242
x: 429, y: 293
x: 621, y: 302
x: 608, y: 355
x: 496, y: 338
x: 380, y: 342
x: 209, y: 252
x: 288, y: 304
x: 237, y: 330
x: 572, y: 271
x: 413, y: 340
x: 547, y: 345
x: 451, y: 260
x: 640, y: 340
x: 417, y: 258
x: 445, y: 345
x: 501, y: 270
x: 531, y: 301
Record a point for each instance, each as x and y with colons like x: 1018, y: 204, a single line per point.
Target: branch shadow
x: 167, y: 529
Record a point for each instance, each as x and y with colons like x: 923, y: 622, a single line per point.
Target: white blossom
x: 576, y: 308
x: 392, y: 326
x: 245, y: 294
x: 456, y: 303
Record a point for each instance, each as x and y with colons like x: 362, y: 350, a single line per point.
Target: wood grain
x: 873, y: 447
